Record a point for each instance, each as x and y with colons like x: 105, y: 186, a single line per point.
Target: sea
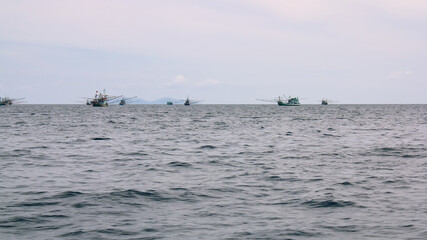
x: 213, y: 172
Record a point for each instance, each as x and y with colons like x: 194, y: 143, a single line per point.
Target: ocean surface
x: 213, y: 172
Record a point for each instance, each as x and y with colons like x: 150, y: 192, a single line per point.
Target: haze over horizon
x: 222, y: 51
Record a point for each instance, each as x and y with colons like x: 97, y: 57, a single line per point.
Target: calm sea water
x: 213, y: 172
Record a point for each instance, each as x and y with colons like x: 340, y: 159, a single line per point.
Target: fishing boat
x: 101, y: 99
x: 124, y: 100
x: 284, y: 101
x: 188, y: 102
x: 324, y: 101
x: 5, y: 101
x: 291, y: 101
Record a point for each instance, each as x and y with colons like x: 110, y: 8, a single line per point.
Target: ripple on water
x: 207, y: 147
x: 320, y: 203
x: 100, y: 138
x: 179, y: 164
x: 131, y: 193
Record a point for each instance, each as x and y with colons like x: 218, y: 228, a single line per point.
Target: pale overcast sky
x: 222, y: 51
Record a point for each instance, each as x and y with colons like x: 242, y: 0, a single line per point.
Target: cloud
x: 207, y: 82
x: 399, y: 74
x: 178, y: 81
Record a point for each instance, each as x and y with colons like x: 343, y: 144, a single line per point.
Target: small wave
x: 117, y: 232
x: 346, y: 228
x: 149, y: 230
x: 396, y: 152
x: 38, y: 147
x: 35, y: 204
x: 412, y: 156
x: 136, y: 154
x: 225, y: 190
x: 315, y: 180
x: 82, y: 205
x: 131, y: 193
x: 54, y: 216
x: 67, y: 194
x: 33, y: 193
x: 301, y: 119
x: 330, y: 135
x: 100, y: 138
x: 72, y: 234
x: 328, y: 203
x: 22, y: 152
x: 301, y: 234
x: 207, y: 147
x: 346, y: 183
x: 386, y: 149
x: 274, y: 178
x: 179, y: 164
x: 20, y: 219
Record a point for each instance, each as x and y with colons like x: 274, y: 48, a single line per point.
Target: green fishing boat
x: 284, y: 101
x: 5, y: 101
x: 291, y: 101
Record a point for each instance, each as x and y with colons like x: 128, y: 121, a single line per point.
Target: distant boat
x: 290, y: 101
x: 101, y: 100
x: 324, y: 101
x: 5, y: 101
x: 123, y: 100
x: 188, y: 102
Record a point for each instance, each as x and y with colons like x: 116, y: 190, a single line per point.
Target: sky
x: 221, y: 51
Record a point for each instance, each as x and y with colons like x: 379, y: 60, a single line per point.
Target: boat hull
x: 288, y: 105
x: 100, y: 104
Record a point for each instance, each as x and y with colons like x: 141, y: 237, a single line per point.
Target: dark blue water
x: 213, y: 172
